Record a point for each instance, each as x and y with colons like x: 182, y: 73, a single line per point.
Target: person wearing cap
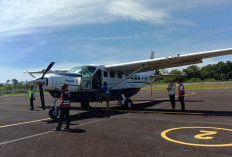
x: 64, y: 108
x: 171, y: 92
x: 31, y: 94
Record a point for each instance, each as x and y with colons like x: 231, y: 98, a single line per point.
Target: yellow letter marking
x: 206, y: 134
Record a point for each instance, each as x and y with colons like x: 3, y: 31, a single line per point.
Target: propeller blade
x: 42, y: 96
x: 48, y: 68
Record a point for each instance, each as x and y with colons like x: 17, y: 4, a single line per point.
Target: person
x: 31, y: 94
x: 181, y: 94
x: 64, y: 108
x: 106, y: 94
x: 171, y: 92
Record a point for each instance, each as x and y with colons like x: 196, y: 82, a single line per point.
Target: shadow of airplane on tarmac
x: 100, y: 112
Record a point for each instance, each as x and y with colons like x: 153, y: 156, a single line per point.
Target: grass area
x: 194, y: 86
x: 16, y: 94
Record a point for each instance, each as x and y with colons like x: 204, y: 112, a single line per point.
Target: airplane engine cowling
x: 49, y: 82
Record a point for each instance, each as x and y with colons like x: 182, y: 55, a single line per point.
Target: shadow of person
x: 77, y: 131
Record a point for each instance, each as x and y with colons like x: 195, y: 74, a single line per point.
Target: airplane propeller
x: 41, y: 81
x: 41, y: 86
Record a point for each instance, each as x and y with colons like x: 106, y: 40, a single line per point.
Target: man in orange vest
x: 64, y: 108
x: 181, y: 94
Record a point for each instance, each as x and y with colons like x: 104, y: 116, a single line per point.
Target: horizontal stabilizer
x: 42, y: 71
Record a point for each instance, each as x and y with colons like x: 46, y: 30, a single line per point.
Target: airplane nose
x: 38, y: 81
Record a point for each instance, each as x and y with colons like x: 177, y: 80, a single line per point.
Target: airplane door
x: 86, y: 79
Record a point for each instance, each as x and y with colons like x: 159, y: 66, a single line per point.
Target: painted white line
x: 48, y: 132
x: 23, y: 138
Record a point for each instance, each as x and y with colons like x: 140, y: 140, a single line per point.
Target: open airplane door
x: 86, y: 79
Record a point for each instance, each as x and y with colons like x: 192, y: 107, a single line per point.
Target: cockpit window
x: 88, y: 70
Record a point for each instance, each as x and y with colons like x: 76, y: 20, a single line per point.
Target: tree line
x: 222, y: 71
x: 15, y: 87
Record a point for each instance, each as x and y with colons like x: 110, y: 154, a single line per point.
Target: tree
x: 192, y: 72
x: 157, y: 72
x: 7, y: 81
x: 15, y: 81
x: 176, y: 72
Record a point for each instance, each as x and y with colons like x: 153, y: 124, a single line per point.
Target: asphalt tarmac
x: 150, y: 129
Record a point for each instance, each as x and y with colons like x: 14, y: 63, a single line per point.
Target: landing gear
x: 54, y: 112
x: 85, y: 105
x: 128, y: 104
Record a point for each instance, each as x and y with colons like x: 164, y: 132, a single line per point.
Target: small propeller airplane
x: 124, y: 80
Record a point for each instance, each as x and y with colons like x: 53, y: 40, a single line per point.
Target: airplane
x: 124, y: 79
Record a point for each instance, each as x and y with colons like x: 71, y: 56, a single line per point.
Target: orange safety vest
x: 66, y: 102
x: 183, y: 93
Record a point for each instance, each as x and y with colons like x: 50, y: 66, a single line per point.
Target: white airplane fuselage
x: 85, y: 82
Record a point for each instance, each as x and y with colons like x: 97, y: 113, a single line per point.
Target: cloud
x: 25, y: 17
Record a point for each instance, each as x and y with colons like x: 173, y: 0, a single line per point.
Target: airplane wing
x: 167, y: 62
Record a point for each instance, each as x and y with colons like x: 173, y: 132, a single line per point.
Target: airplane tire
x: 85, y: 105
x: 52, y: 113
x: 128, y: 104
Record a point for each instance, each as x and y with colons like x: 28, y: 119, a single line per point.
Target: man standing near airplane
x: 181, y: 94
x: 64, y: 107
x: 171, y: 92
x: 106, y: 95
x: 31, y: 94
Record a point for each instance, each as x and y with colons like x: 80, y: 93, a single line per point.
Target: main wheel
x: 128, y: 104
x: 53, y: 113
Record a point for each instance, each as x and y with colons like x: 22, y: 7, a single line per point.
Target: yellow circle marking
x: 163, y: 134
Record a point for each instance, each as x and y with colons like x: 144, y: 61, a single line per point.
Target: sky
x: 34, y: 33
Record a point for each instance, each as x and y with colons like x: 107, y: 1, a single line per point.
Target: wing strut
x: 128, y: 76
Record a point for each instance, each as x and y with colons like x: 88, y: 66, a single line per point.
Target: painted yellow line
x: 4, y: 126
x: 164, y: 135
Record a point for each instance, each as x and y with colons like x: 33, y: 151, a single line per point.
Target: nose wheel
x: 54, y: 111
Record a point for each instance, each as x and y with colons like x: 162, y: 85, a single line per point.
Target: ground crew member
x: 106, y: 94
x: 31, y: 94
x: 181, y: 94
x: 171, y: 92
x: 64, y: 108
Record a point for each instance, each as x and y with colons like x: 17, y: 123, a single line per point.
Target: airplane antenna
x: 152, y: 54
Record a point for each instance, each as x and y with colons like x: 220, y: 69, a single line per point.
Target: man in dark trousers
x: 64, y: 108
x: 181, y: 94
x: 106, y: 94
x: 31, y: 94
x: 171, y: 92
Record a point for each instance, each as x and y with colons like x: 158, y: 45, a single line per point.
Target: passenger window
x: 112, y: 74
x: 138, y: 77
x: 119, y: 75
x: 105, y: 73
x: 126, y: 75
